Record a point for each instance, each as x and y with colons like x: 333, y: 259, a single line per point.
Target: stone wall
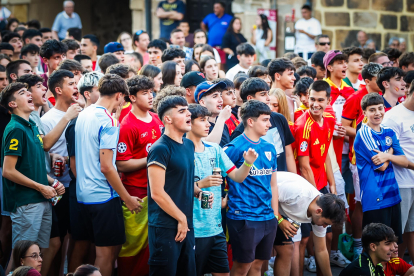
x: 381, y: 19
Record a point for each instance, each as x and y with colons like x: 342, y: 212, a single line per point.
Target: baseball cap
x: 330, y: 56
x: 206, y: 86
x: 192, y: 78
x: 112, y: 47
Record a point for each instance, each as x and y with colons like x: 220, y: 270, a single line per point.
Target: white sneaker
x: 311, y: 265
x: 339, y: 259
x: 272, y: 262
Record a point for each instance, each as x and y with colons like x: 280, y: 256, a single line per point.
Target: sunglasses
x: 324, y: 43
x: 139, y: 32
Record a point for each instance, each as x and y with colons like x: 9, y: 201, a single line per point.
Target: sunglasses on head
x: 324, y: 43
x: 139, y: 32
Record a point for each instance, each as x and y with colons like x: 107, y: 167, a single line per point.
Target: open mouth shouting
x: 75, y: 96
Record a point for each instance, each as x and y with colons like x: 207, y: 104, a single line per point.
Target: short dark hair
x: 352, y: 51
x: 221, y: 3
x: 6, y: 46
x: 252, y: 110
x: 172, y: 53
x: 71, y: 65
x: 85, y: 270
x: 393, y: 54
x: 299, y: 62
x: 374, y: 57
x: 169, y: 102
x: 159, y: 44
x: 189, y: 64
x: 137, y: 56
x: 30, y: 33
x: 13, y: 67
x: 45, y: 30
x: 306, y: 7
x: 150, y: 71
x: 239, y: 81
x: 367, y: 52
x: 317, y: 59
x: 376, y: 233
x: 406, y: 59
x: 111, y: 84
x: 408, y: 78
x: 10, y: 36
x: 79, y: 58
x: 169, y: 90
x: 52, y: 47
x: 168, y: 69
x: 333, y: 208
x: 370, y: 70
x: 71, y: 44
x: 302, y: 86
x: 319, y: 37
x: 198, y: 111
x: 279, y: 65
x: 339, y: 57
x: 21, y: 247
x: 6, y: 95
x: 93, y: 38
x: 265, y: 62
x: 107, y: 60
x: 2, y: 69
x: 34, y: 23
x: 30, y: 79
x: 229, y: 83
x: 137, y: 34
x: 371, y: 99
x: 290, y: 55
x: 29, y: 48
x: 118, y: 69
x: 138, y: 83
x: 386, y: 74
x: 251, y: 86
x: 176, y: 30
x: 56, y: 79
x: 307, y: 70
x: 76, y: 33
x: 321, y: 85
x: 245, y: 49
x: 257, y: 71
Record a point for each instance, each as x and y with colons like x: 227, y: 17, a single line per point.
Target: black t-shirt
x: 5, y: 118
x: 225, y: 137
x: 235, y: 111
x: 279, y: 135
x: 178, y: 161
x: 232, y: 40
x: 70, y: 143
x: 362, y: 266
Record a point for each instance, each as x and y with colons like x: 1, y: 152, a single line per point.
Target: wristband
x: 247, y: 164
x: 277, y: 218
x: 280, y: 220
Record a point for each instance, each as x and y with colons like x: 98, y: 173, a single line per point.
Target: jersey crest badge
x: 268, y: 155
x: 303, y: 146
x: 122, y: 147
x: 388, y: 141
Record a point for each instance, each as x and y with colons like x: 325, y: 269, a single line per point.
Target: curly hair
x: 169, y: 90
x: 138, y: 83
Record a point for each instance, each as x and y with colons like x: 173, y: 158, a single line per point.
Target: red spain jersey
x: 396, y: 266
x: 313, y: 140
x: 135, y: 140
x: 232, y: 123
x: 298, y: 112
x: 125, y: 110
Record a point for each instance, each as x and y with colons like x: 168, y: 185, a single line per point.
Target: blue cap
x: 113, y: 47
x: 206, y: 86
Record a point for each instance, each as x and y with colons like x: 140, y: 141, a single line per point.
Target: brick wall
x: 381, y: 19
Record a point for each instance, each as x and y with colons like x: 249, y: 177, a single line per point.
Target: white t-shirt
x: 49, y: 121
x: 303, y: 42
x: 234, y: 70
x: 295, y: 196
x: 401, y: 120
x: 357, y: 84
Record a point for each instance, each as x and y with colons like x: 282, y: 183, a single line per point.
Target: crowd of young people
x: 156, y: 162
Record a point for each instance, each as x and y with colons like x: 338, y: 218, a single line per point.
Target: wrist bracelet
x: 247, y: 164
x: 280, y: 220
x: 277, y: 217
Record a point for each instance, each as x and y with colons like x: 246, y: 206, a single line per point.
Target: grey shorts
x: 32, y: 222
x: 3, y: 213
x: 407, y: 209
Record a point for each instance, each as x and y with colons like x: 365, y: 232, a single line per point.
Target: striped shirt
x: 95, y: 129
x: 379, y: 189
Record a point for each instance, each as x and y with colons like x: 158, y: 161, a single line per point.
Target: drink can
x: 216, y: 171
x: 205, y: 196
x: 57, y: 198
x: 296, y: 224
x: 58, y: 168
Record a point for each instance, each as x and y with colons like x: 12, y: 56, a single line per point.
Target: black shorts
x: 168, y: 257
x: 76, y: 222
x: 103, y: 223
x: 306, y: 229
x: 390, y: 216
x: 251, y: 240
x: 60, y: 217
x: 280, y: 238
x: 324, y: 191
x: 211, y: 255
